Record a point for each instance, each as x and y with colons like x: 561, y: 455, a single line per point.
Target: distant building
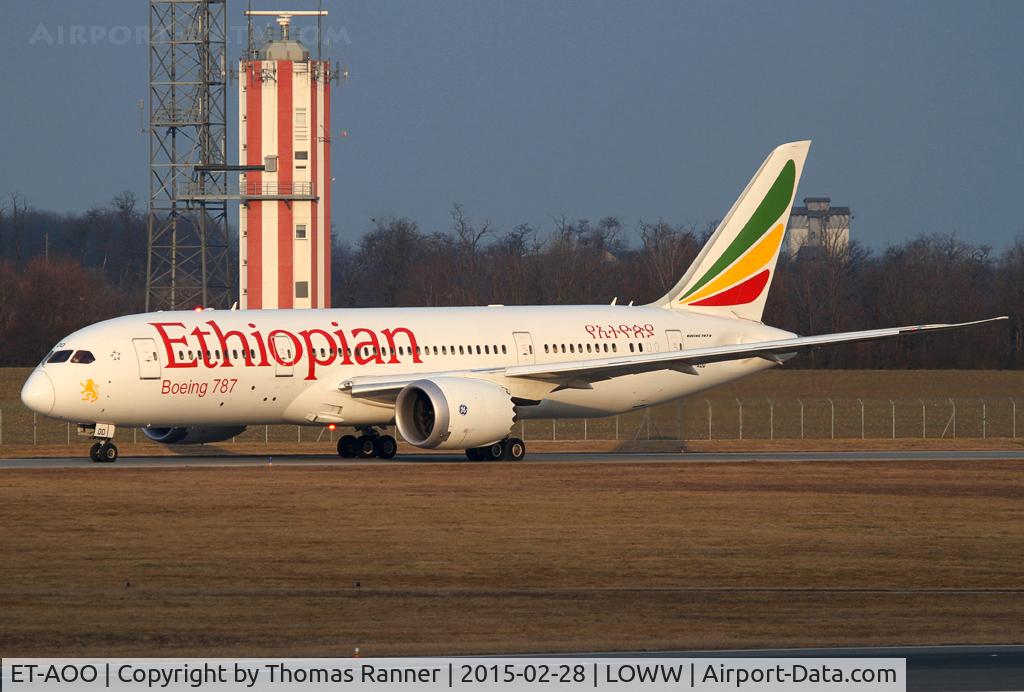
x: 818, y: 227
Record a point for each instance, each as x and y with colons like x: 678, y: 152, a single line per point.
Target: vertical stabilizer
x: 732, y: 274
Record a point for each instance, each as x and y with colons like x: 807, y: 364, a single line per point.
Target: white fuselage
x: 190, y: 368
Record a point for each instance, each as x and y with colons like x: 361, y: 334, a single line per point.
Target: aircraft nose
x: 38, y: 393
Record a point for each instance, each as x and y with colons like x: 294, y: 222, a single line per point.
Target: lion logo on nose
x: 90, y: 391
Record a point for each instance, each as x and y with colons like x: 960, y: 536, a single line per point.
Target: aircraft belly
x: 629, y: 392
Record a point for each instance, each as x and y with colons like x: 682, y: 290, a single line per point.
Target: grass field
x: 459, y: 558
x: 920, y: 402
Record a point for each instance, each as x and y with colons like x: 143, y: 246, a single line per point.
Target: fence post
x: 554, y: 429
x: 69, y: 434
x: 861, y: 418
x: 923, y: 420
x: 801, y: 402
x: 1013, y: 433
x: 616, y: 427
x: 298, y: 434
x: 522, y: 429
x: 266, y: 434
x: 648, y: 416
x: 584, y: 429
x: 953, y: 402
x: 708, y: 402
x: 893, y: 405
x: 740, y: 404
x: 984, y: 420
x: 34, y: 434
x: 832, y: 430
x: 771, y: 420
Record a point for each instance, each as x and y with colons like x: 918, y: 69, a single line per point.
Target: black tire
x: 473, y: 454
x: 494, y: 452
x: 385, y: 447
x: 348, y: 447
x: 94, y: 453
x: 365, y: 447
x: 107, y: 453
x: 515, y: 449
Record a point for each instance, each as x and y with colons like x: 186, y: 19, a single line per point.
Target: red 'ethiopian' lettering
x: 319, y: 347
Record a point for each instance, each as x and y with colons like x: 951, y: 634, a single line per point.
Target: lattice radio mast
x: 188, y: 263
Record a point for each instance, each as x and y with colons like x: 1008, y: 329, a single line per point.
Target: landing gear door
x: 524, y: 348
x: 675, y: 339
x: 149, y: 364
x: 284, y: 352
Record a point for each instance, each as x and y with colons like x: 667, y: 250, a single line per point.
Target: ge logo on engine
x: 463, y: 409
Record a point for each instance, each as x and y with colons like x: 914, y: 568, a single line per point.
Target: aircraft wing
x: 684, y: 360
x: 581, y: 372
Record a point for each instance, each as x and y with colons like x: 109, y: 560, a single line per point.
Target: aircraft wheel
x: 94, y: 453
x: 385, y: 447
x: 494, y: 452
x: 366, y: 449
x: 107, y: 453
x: 515, y: 449
x: 348, y: 447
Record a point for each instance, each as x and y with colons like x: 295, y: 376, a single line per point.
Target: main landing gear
x: 509, y: 449
x: 368, y: 445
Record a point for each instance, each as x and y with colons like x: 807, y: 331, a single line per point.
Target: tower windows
x: 302, y: 289
x: 300, y: 231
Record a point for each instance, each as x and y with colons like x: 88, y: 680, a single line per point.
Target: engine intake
x: 192, y: 435
x: 453, y: 413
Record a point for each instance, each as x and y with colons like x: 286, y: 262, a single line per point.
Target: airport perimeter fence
x: 689, y: 419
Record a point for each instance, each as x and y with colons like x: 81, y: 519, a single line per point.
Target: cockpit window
x: 82, y: 357
x: 59, y: 357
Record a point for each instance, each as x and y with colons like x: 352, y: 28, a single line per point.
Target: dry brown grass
x: 455, y: 558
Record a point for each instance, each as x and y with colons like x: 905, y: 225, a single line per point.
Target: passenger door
x: 285, y: 350
x: 675, y: 339
x: 524, y: 348
x: 149, y: 364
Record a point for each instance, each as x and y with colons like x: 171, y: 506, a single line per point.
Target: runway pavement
x: 180, y: 461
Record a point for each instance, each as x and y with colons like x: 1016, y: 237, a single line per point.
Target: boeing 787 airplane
x: 448, y: 378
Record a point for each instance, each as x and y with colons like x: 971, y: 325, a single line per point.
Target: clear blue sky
x: 526, y: 110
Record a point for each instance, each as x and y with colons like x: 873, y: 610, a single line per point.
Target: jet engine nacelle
x: 453, y: 413
x: 193, y: 434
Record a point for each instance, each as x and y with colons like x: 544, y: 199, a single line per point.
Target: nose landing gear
x: 103, y: 450
x: 367, y: 446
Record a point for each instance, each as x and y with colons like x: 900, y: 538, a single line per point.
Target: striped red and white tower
x: 284, y: 225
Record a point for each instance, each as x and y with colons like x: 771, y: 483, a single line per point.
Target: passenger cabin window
x: 60, y: 357
x: 85, y: 357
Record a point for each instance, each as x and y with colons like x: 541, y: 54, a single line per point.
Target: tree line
x: 59, y: 272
